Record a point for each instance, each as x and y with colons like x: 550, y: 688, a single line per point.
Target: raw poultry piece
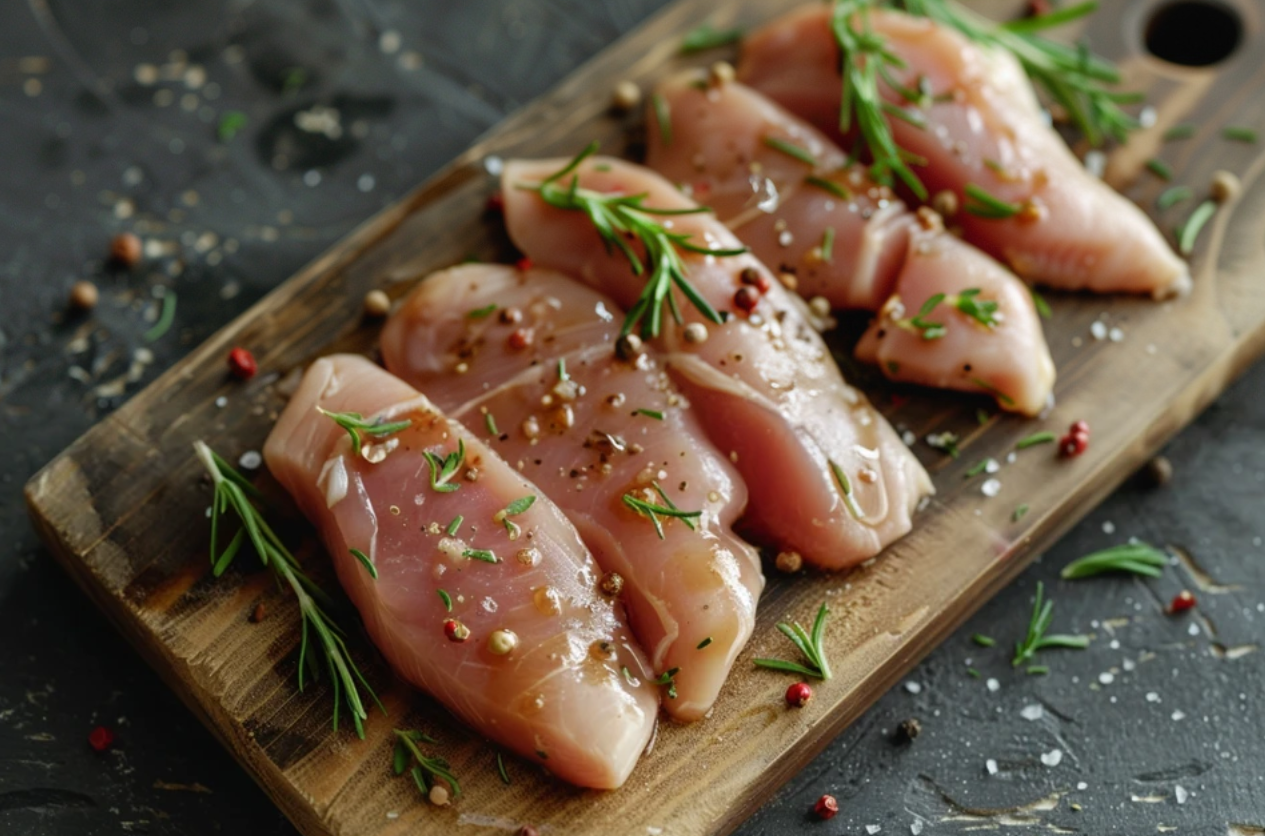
x: 528, y: 357
x: 977, y: 124
x: 788, y: 193
x: 827, y: 475
x: 545, y: 682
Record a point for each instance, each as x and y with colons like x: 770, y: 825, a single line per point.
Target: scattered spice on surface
x: 908, y: 730
x: 826, y: 807
x: 84, y: 296
x: 789, y: 562
x: 945, y: 203
x: 625, y: 96
x: 1181, y: 602
x: 126, y: 250
x: 810, y: 645
x: 1159, y: 471
x: 456, y: 631
x: 377, y: 304
x: 100, y: 739
x: 523, y: 264
x: 241, y: 364
x: 1225, y: 186
x: 798, y: 694
x: 258, y: 613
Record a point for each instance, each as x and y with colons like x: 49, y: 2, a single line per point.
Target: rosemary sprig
x: 792, y: 150
x: 980, y: 310
x: 355, y: 424
x: 366, y: 562
x: 1138, y: 558
x: 422, y: 768
x: 617, y: 217
x: 811, y: 645
x: 705, y: 37
x: 233, y: 492
x: 1037, y: 639
x: 668, y: 678
x: 1071, y: 75
x: 653, y: 511
x: 982, y: 204
x: 515, y: 508
x: 845, y: 488
x: 442, y: 470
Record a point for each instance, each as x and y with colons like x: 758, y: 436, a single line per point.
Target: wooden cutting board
x: 124, y: 508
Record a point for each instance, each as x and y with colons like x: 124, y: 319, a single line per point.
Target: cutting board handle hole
x: 1193, y: 33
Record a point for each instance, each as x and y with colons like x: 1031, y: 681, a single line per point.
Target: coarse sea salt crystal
x: 913, y: 687
x: 1179, y: 793
x: 991, y: 766
x: 1098, y: 330
x: 1178, y: 716
x: 1081, y: 785
x: 250, y: 460
x: 1052, y: 758
x: 1116, y: 335
x: 1032, y: 712
x: 915, y: 827
x: 991, y: 487
x: 1193, y: 629
x: 873, y: 828
x: 1108, y: 527
x: 1151, y: 696
x: 992, y: 466
x: 1106, y: 677
x: 993, y: 685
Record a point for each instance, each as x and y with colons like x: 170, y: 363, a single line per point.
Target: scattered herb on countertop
x: 1172, y: 196
x: 1035, y: 439
x: 1189, y: 232
x: 1160, y: 169
x: 500, y: 769
x: 1138, y: 558
x: 165, y: 318
x: 662, y: 115
x: 231, y: 123
x: 811, y: 645
x: 424, y: 769
x: 1020, y: 513
x: 1037, y: 638
x: 704, y: 36
x: 1180, y: 131
x: 233, y: 492
x: 983, y: 640
x: 1239, y: 134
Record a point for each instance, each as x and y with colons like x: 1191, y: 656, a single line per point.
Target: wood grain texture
x: 123, y: 508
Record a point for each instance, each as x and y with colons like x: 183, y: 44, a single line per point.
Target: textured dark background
x: 109, y: 112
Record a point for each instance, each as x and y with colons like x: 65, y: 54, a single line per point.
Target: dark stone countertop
x: 111, y: 112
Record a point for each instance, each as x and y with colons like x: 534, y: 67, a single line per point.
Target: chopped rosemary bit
x: 980, y: 310
x: 619, y: 217
x: 845, y: 487
x: 424, y: 769
x: 1138, y: 558
x: 918, y: 322
x: 1037, y: 640
x: 668, y: 678
x: 828, y: 244
x: 366, y: 562
x: 837, y: 189
x: 454, y: 525
x: 233, y: 491
x: 1035, y: 439
x: 811, y: 645
x: 971, y: 672
x: 1172, y: 196
x: 500, y: 769
x: 489, y: 421
x: 653, y: 511
x: 705, y: 37
x: 1238, y: 134
x: 1037, y: 670
x: 442, y: 470
x: 165, y: 318
x: 481, y: 313
x: 983, y: 640
x: 628, y: 677
x: 689, y: 523
x: 985, y: 205
x: 562, y: 370
x: 662, y: 115
x: 945, y: 441
x: 230, y: 124
x: 981, y: 417
x: 1020, y: 513
x: 704, y: 643
x: 977, y: 468
x: 649, y: 413
x: 1160, y: 169
x: 994, y: 391
x: 481, y: 554
x: 1180, y: 131
x: 515, y: 508
x: 790, y: 149
x: 446, y: 598
x: 1042, y: 306
x: 355, y: 424
x: 1189, y: 232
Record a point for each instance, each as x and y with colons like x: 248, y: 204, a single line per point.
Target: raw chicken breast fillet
x: 582, y: 424
x: 827, y: 475
x: 784, y: 189
x: 558, y: 697
x: 983, y: 127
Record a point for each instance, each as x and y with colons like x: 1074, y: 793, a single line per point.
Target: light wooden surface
x: 124, y: 509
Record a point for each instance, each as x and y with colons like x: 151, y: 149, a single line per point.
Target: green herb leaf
x: 983, y: 640
x: 790, y: 149
x: 977, y: 468
x: 442, y: 470
x: 481, y: 554
x: 454, y: 525
x: 1038, y: 670
x: 1035, y: 439
x: 1037, y: 639
x: 994, y: 391
x: 704, y: 643
x: 837, y: 189
x: 662, y: 115
x: 165, y: 318
x: 668, y: 678
x: 1160, y: 169
x: 231, y: 122
x: 1138, y: 558
x: 1182, y: 131
x: 481, y: 313
x: 425, y: 768
x: 985, y: 205
x: 489, y: 421
x: 845, y: 488
x: 1042, y: 306
x: 828, y: 245
x: 447, y: 599
x: 366, y: 562
x: 500, y: 769
x: 1238, y: 134
x: 810, y: 645
x: 1172, y: 196
x: 649, y: 413
x: 356, y: 425
x: 1019, y: 513
x: 704, y: 37
x: 1189, y: 232
x: 520, y: 505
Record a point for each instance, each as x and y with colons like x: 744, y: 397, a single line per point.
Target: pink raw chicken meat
x: 764, y: 384
x: 584, y: 441
x: 738, y: 152
x: 984, y: 126
x: 559, y: 695
x: 1008, y: 360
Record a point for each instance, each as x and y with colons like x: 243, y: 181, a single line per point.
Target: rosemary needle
x: 1160, y: 169
x: 705, y: 37
x: 1138, y: 558
x: 406, y: 756
x: 811, y: 645
x: 233, y: 492
x: 165, y: 318
x: 790, y: 149
x: 1172, y: 196
x: 1035, y: 439
x: 1037, y: 638
x: 1190, y: 230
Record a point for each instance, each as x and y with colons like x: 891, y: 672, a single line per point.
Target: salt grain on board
x: 1179, y: 793
x: 993, y: 685
x: 1032, y: 712
x: 913, y: 687
x: 991, y: 766
x: 1178, y: 716
x: 1052, y: 758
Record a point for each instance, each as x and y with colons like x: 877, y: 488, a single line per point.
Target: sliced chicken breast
x: 545, y: 681
x: 983, y: 127
x: 528, y: 358
x: 827, y: 475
